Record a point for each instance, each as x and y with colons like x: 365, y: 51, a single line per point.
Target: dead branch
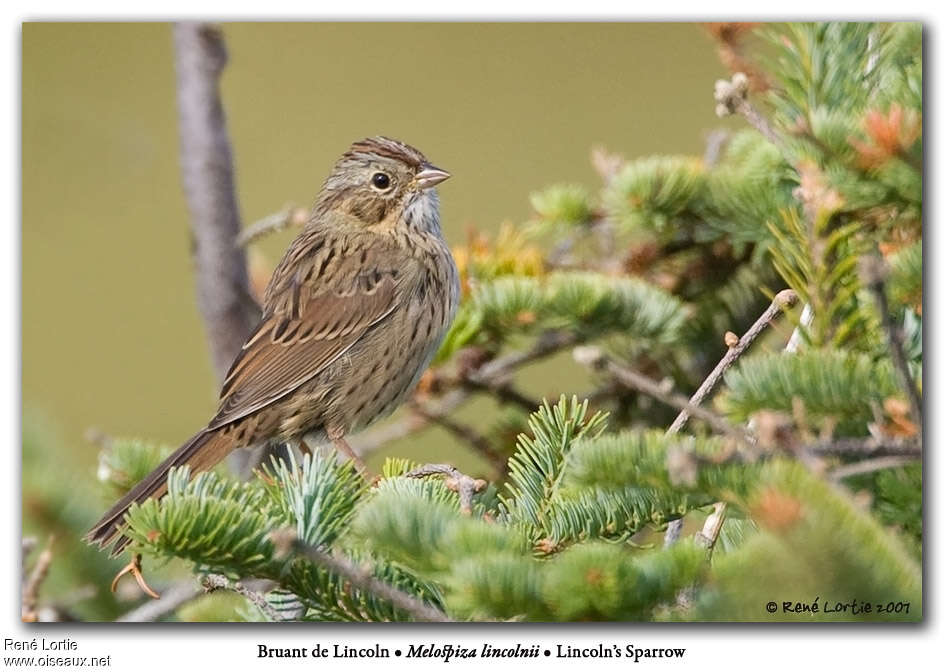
x: 35, y: 579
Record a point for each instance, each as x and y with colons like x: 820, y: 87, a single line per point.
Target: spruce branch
x: 363, y: 579
x: 737, y: 347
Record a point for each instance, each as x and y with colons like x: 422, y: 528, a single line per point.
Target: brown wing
x: 310, y: 321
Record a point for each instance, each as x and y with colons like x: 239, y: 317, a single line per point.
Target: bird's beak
x: 430, y: 176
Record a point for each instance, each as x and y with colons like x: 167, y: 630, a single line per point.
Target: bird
x: 352, y: 316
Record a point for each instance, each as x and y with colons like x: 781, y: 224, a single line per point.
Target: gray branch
x: 226, y: 305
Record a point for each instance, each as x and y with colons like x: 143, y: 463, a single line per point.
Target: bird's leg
x: 337, y: 438
x: 134, y: 568
x: 304, y: 447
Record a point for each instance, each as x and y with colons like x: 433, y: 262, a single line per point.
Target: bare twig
x: 464, y: 486
x: 289, y: 216
x: 375, y: 439
x: 223, y: 294
x: 362, y: 579
x: 714, y: 146
x: 28, y: 545
x: 465, y: 433
x: 594, y: 357
x: 873, y: 270
x: 712, y: 527
x: 502, y: 390
x: 673, y: 532
x: 378, y: 437
x: 172, y: 598
x: 547, y: 344
x: 783, y: 300
x: 219, y: 582
x: 869, y: 466
x: 35, y: 580
x: 732, y: 99
x: 868, y: 447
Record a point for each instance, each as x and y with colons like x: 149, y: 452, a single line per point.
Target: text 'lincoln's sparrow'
x: 352, y: 316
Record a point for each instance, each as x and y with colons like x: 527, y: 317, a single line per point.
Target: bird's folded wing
x: 293, y: 345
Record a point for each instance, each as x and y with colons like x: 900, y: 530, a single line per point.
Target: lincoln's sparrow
x: 351, y: 317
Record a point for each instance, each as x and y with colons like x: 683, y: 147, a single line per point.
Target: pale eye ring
x: 380, y: 181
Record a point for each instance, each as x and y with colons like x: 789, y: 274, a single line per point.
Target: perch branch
x: 206, y: 159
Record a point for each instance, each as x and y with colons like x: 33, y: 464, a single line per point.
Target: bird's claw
x: 134, y: 568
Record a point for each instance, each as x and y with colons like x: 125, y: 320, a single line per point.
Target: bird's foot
x: 345, y: 449
x: 134, y: 569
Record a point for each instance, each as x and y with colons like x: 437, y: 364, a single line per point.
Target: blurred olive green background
x: 111, y: 333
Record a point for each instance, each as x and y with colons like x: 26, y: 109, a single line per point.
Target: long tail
x: 201, y: 452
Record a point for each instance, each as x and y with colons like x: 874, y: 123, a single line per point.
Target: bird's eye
x: 380, y: 181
